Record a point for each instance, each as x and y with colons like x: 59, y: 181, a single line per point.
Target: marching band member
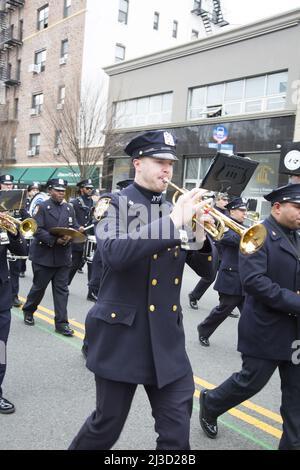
x: 7, y: 184
x: 51, y: 256
x: 16, y: 245
x: 83, y: 205
x: 134, y: 331
x: 228, y: 284
x: 32, y: 190
x: 269, y: 327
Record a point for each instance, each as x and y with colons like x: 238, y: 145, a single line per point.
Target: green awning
x: 16, y: 172
x: 41, y: 175
x: 70, y: 174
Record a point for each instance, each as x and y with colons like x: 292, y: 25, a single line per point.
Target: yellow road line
x: 46, y: 310
x: 203, y: 383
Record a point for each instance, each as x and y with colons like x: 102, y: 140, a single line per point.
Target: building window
x: 64, y: 49
x: 61, y: 95
x: 37, y: 103
x: 13, y: 148
x: 194, y: 171
x: 40, y: 59
x: 16, y: 108
x: 119, y: 53
x: 18, y: 71
x: 156, y: 20
x: 57, y: 138
x: 247, y: 95
x: 155, y: 109
x: 21, y: 26
x: 175, y: 29
x: 123, y: 11
x: 195, y: 34
x: 34, y: 144
x: 67, y: 8
x: 42, y: 17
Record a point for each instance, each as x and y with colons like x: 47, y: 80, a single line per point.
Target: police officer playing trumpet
x: 135, y: 331
x: 51, y: 256
x: 16, y: 244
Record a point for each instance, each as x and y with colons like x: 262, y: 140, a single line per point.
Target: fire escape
x: 9, y: 39
x: 210, y: 18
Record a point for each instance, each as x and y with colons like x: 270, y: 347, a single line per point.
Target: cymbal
x: 77, y: 237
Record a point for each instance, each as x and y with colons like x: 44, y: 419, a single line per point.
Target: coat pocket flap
x: 113, y: 313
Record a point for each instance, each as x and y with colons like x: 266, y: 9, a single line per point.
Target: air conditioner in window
x: 56, y: 151
x: 63, y: 60
x: 34, y: 68
x: 33, y: 112
x: 59, y: 106
x: 31, y: 152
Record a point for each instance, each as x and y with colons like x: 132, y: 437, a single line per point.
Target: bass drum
x: 37, y: 200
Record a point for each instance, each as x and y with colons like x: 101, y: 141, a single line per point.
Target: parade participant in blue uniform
x: 6, y: 184
x: 228, y: 284
x: 51, y: 256
x: 269, y: 327
x: 83, y: 205
x: 135, y: 331
x: 202, y: 286
x: 32, y: 190
x: 16, y: 245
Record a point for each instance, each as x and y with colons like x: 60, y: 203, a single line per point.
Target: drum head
x: 36, y: 201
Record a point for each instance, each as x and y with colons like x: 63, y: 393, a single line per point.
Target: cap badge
x: 168, y: 138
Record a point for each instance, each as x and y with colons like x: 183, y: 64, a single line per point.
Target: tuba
x: 252, y: 239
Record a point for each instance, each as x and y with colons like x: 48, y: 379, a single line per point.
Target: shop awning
x: 41, y: 175
x: 16, y: 172
x: 70, y: 174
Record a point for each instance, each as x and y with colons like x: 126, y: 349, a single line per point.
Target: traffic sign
x: 220, y: 134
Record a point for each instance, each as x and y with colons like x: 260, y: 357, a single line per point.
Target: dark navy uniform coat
x: 270, y: 319
x: 17, y: 245
x: 82, y: 207
x: 135, y: 332
x: 44, y: 250
x: 228, y: 280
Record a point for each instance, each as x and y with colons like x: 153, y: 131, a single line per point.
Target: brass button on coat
x: 113, y: 315
x: 154, y: 282
x: 155, y: 256
x: 174, y: 308
x: 176, y: 281
x: 152, y: 308
x: 209, y: 258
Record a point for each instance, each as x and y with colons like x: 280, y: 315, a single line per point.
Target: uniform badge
x: 168, y: 138
x: 101, y: 207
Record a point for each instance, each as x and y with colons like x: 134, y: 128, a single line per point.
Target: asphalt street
x: 54, y: 392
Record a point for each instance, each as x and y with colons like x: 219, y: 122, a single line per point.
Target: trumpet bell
x: 28, y: 227
x: 253, y: 239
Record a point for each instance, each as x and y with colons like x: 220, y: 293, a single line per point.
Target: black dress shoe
x: 207, y: 423
x: 193, y: 303
x: 64, y: 330
x: 92, y: 297
x: 234, y: 315
x: 22, y: 275
x: 203, y: 340
x: 80, y: 271
x: 6, y: 407
x: 16, y: 302
x: 28, y: 319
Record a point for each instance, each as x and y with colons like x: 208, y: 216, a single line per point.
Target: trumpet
x: 252, y: 239
x: 27, y: 226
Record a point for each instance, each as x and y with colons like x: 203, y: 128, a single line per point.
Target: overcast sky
x: 239, y: 12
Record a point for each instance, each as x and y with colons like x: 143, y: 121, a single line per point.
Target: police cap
x: 33, y: 185
x: 124, y: 183
x: 57, y: 183
x: 85, y: 184
x: 6, y: 179
x: 236, y: 203
x: 288, y: 193
x: 156, y: 144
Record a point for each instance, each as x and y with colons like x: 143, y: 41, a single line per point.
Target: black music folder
x: 229, y: 174
x: 13, y: 199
